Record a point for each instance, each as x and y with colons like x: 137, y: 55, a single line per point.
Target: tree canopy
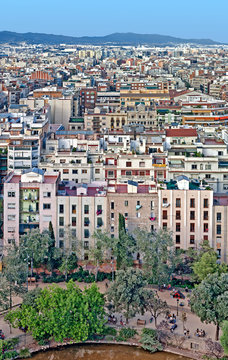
x: 127, y: 294
x: 62, y: 313
x: 209, y: 300
x: 207, y: 264
x: 224, y: 337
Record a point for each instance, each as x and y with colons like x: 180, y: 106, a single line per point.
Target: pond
x: 104, y: 352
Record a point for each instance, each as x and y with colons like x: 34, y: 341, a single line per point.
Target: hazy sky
x: 181, y: 18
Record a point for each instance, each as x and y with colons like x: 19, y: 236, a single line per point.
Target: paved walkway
x: 193, y: 322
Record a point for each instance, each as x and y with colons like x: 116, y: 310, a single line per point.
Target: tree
x: 127, y: 294
x: 210, y: 300
x: 12, y: 278
x: 51, y: 231
x: 62, y: 313
x: 155, y: 305
x: 70, y: 253
x: 124, y: 246
x: 35, y: 246
x: 207, y: 264
x: 158, y: 254
x: 224, y: 337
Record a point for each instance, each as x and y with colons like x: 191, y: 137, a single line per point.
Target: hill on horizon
x: 112, y: 39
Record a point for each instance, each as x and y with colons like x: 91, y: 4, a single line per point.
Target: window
x: 99, y: 222
x: 86, y: 221
x: 138, y: 215
x: 208, y: 176
x: 208, y: 167
x: 97, y: 171
x: 192, y: 215
x: 112, y: 216
x: 11, y: 229
x: 218, y: 229
x: 73, y: 209
x: 126, y: 202
x: 142, y: 164
x: 110, y: 173
x: 164, y: 225
x: 73, y: 221
x: 177, y: 239
x: 61, y: 221
x: 205, y: 203
x: 128, y: 173
x: 138, y: 203
x: 84, y: 171
x: 112, y: 205
x: 201, y: 166
x: 220, y: 153
x: 86, y: 209
x: 46, y: 194
x: 65, y: 171
x: 164, y: 215
x: 86, y: 245
x: 192, y: 227
x: 192, y: 203
x: 205, y: 227
x: 205, y: 237
x: 128, y: 163
x: 192, y: 239
x: 165, y: 201
x: 178, y: 215
x: 46, y: 206
x: 62, y: 161
x: 219, y: 217
x: 126, y: 215
x: 86, y: 233
x: 74, y: 171
x: 61, y: 232
x: 11, y: 205
x: 47, y: 218
x: 11, y: 217
x: 73, y: 234
x: 178, y: 227
x: 112, y: 228
x: 11, y: 194
x: 194, y: 167
x: 61, y: 208
x: 178, y: 203
x: 205, y: 215
x: 152, y: 205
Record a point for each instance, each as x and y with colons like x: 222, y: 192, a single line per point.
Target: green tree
x: 128, y: 294
x: 62, y: 313
x: 124, y: 246
x: 155, y: 305
x: 224, y: 337
x: 158, y: 254
x: 35, y: 245
x: 210, y: 300
x: 207, y: 264
x: 51, y: 231
x: 12, y: 278
x: 70, y: 253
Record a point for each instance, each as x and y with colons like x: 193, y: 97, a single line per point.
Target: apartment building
x: 137, y: 202
x: 29, y: 202
x: 81, y: 210
x: 187, y: 213
x: 220, y: 222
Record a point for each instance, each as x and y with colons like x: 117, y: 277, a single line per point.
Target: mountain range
x: 112, y: 39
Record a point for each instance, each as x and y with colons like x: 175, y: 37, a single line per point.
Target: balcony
x: 165, y: 205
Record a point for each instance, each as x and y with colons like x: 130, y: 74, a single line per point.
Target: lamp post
x: 177, y: 305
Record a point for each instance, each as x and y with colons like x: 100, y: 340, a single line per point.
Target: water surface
x: 104, y: 352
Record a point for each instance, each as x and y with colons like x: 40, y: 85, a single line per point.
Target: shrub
x: 126, y: 333
x: 110, y: 331
x: 149, y: 340
x: 24, y: 353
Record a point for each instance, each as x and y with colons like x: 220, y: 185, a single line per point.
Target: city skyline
x: 90, y: 19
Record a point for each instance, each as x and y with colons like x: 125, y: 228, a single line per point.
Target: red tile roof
x: 181, y: 132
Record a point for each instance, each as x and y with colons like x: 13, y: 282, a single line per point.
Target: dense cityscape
x: 114, y: 174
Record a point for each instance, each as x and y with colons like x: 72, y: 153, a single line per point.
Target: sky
x: 180, y: 18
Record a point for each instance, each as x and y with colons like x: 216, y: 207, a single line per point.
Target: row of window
x: 178, y: 215
x: 86, y: 221
x: 192, y: 202
x: 73, y: 233
x: 192, y: 227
